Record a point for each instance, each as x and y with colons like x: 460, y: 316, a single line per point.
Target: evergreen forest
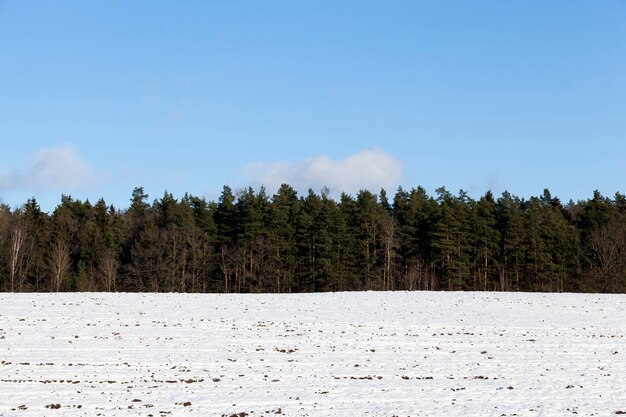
x: 251, y: 242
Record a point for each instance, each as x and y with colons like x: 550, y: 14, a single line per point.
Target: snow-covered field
x: 344, y: 354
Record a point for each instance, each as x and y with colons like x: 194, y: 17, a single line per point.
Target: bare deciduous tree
x: 59, y: 264
x: 108, y: 271
x: 607, y: 250
x: 388, y: 236
x: 16, y: 252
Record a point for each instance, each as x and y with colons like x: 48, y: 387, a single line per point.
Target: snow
x: 341, y: 354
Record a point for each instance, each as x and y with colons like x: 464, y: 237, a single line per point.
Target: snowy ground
x: 345, y: 354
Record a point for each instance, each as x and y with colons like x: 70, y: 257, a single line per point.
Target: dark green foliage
x: 485, y: 240
x: 451, y: 240
x: 250, y: 242
x: 511, y: 244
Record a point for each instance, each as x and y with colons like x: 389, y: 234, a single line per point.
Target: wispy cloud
x: 58, y: 168
x: 368, y: 169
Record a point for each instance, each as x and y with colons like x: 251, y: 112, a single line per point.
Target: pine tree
x: 225, y: 219
x: 451, y: 237
x: 202, y: 238
x: 367, y: 225
x: 484, y: 243
x: 284, y: 212
x: 307, y: 242
x: 510, y: 223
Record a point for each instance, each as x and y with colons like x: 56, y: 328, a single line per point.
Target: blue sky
x: 99, y: 97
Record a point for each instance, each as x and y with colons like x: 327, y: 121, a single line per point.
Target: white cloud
x: 57, y: 168
x: 367, y: 169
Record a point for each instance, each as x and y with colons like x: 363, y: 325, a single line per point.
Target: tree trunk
x: 17, y: 241
x: 59, y: 263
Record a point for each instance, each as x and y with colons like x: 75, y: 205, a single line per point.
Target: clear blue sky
x: 99, y: 97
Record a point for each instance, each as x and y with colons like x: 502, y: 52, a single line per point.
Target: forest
x: 251, y: 242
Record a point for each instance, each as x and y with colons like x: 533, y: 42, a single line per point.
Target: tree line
x: 249, y: 241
